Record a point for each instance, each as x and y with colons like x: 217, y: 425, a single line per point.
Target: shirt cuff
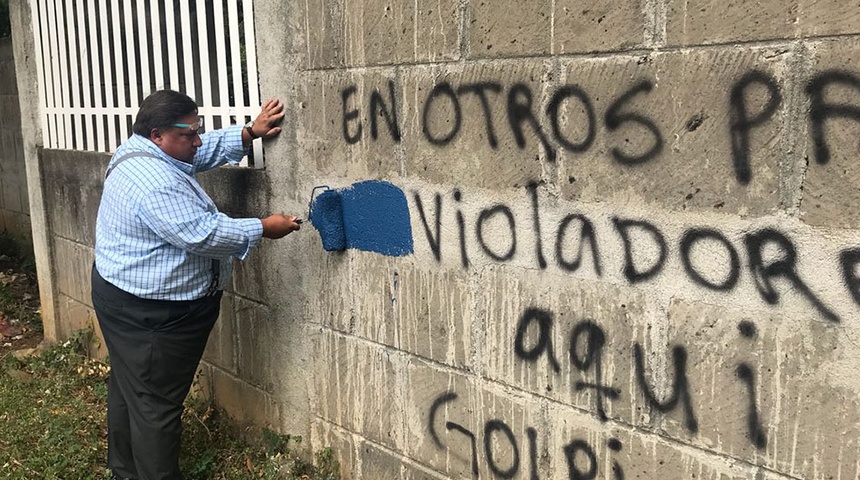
x: 253, y: 228
x: 233, y: 143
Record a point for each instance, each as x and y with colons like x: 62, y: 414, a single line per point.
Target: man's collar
x: 141, y: 143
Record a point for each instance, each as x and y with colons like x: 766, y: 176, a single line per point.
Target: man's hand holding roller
x: 279, y: 225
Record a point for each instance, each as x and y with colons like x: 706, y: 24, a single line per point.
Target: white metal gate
x: 98, y: 59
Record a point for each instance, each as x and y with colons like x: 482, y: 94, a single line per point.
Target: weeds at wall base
x: 53, y: 424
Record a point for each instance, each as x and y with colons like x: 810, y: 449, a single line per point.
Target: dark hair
x: 162, y: 109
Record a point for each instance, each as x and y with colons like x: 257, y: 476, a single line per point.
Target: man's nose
x: 197, y: 141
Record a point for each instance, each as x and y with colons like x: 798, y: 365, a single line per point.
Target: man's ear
x: 156, y: 136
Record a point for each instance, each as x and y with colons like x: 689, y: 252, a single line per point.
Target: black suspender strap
x: 126, y: 157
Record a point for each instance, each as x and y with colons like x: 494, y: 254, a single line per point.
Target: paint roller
x: 325, y: 212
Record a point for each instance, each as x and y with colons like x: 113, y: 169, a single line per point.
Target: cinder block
x: 700, y: 22
x: 380, y: 463
x: 452, y: 139
x: 15, y: 223
x: 237, y: 191
x: 254, y: 330
x: 413, y: 472
x: 597, y: 25
x: 8, y: 85
x: 24, y: 225
x: 777, y: 391
x: 25, y: 198
x: 249, y: 275
x: 243, y: 402
x: 320, y: 24
x: 681, y: 112
x: 72, y: 195
x: 496, y: 32
x: 427, y: 312
x: 74, y: 316
x: 11, y: 108
x: 73, y: 269
x: 13, y: 182
x: 549, y: 335
x: 341, y: 442
x: 464, y: 429
x: 220, y: 349
x: 435, y: 314
x: 441, y: 404
x: 336, y: 109
x: 201, y: 388
x: 332, y: 304
x: 506, y: 420
x: 768, y: 475
x: 6, y: 211
x: 377, y: 32
x: 352, y: 378
x: 581, y: 444
x: 377, y: 463
x: 828, y: 17
x: 831, y: 187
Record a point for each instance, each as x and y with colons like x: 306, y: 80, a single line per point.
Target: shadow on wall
x: 14, y: 202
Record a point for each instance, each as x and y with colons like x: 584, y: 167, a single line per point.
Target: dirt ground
x: 20, y: 320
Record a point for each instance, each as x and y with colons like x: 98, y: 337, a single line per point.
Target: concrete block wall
x: 14, y: 204
x: 635, y: 229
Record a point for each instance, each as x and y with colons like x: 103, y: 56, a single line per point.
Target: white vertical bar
x: 172, y: 62
x: 158, y: 63
x: 187, y: 49
x: 95, y: 48
x: 251, y: 53
x: 58, y: 68
x: 251, y: 59
x: 62, y: 41
x: 74, y: 77
x: 221, y: 55
x: 258, y: 153
x: 205, y: 72
x: 85, y: 56
x: 143, y: 50
x: 133, y: 78
x: 108, y: 78
x: 235, y: 56
x: 120, y: 78
x: 38, y: 13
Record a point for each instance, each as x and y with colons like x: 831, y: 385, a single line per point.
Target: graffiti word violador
x: 576, y: 232
x: 545, y: 122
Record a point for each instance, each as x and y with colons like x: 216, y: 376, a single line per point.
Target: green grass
x: 52, y: 426
x: 19, y: 292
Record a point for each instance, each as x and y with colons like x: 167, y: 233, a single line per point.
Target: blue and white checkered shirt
x: 157, y: 231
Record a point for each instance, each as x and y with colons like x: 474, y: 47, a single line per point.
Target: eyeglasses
x: 196, y: 127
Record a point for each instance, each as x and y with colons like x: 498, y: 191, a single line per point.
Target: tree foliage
x: 5, y: 24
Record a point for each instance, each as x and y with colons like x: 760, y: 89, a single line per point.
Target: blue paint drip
x: 372, y: 216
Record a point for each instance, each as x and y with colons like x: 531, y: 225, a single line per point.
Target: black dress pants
x: 155, y: 347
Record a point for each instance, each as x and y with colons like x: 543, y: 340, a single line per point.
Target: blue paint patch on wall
x: 372, y: 216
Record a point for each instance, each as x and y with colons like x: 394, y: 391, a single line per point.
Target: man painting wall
x: 162, y: 257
